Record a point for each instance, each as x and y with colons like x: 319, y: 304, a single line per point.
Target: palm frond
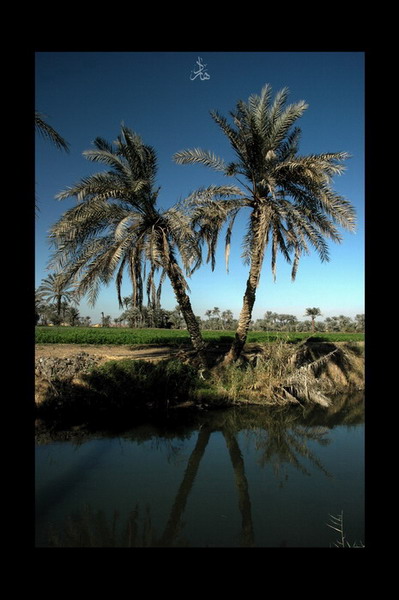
x: 228, y: 238
x: 260, y: 110
x: 108, y: 158
x: 208, y: 216
x: 229, y: 131
x: 183, y: 237
x: 213, y: 196
x: 277, y: 107
x: 102, y: 144
x: 283, y: 123
x: 204, y: 157
x: 50, y: 133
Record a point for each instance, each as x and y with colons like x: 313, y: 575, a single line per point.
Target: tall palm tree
x: 313, y: 313
x: 117, y: 226
x: 290, y: 197
x: 55, y: 289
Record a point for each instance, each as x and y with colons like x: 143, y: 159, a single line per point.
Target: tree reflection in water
x: 282, y: 445
x: 281, y: 438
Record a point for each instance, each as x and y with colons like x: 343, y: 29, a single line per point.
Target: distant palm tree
x: 55, y: 289
x: 127, y: 301
x: 105, y: 320
x: 290, y: 197
x: 216, y: 314
x: 344, y: 323
x: 117, y: 226
x: 227, y: 318
x: 175, y: 317
x: 360, y: 322
x: 49, y: 132
x: 72, y: 315
x: 312, y: 313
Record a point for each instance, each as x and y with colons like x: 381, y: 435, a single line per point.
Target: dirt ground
x: 152, y: 353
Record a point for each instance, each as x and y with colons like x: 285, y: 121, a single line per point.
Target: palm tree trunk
x: 244, y: 319
x: 244, y: 502
x: 59, y: 298
x: 173, y: 524
x: 184, y: 303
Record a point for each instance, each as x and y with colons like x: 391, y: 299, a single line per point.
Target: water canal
x: 247, y: 476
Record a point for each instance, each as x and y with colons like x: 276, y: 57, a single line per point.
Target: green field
x: 168, y: 337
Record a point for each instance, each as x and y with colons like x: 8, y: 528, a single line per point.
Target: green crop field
x: 168, y: 337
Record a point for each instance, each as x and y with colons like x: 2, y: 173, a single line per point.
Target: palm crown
x: 291, y: 194
x: 116, y: 225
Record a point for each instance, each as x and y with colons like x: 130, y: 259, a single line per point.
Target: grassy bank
x: 173, y: 337
x: 281, y: 373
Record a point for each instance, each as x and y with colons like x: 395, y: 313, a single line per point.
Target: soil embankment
x: 94, y: 386
x: 104, y: 353
x: 332, y: 367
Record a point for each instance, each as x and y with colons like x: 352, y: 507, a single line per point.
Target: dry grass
x: 281, y: 373
x: 284, y: 373
x: 337, y: 524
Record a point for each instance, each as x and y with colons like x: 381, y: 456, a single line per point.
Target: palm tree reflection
x: 282, y: 440
x: 283, y: 446
x: 173, y: 524
x: 244, y: 502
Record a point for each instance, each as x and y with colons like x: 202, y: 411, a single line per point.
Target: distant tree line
x: 55, y: 306
x: 272, y: 321
x: 282, y: 322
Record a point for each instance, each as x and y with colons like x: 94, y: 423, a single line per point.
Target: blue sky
x: 89, y: 94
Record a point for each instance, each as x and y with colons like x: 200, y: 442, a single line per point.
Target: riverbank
x: 76, y: 385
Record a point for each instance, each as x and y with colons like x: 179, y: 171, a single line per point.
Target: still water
x: 250, y: 477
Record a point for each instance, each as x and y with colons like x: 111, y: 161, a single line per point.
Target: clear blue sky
x: 89, y: 94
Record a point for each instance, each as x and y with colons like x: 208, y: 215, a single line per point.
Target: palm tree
x: 360, y: 322
x: 344, y: 323
x: 332, y: 324
x: 116, y: 226
x: 127, y: 301
x: 72, y: 315
x: 312, y: 313
x: 290, y: 197
x: 55, y: 289
x: 216, y: 314
x: 175, y: 317
x: 105, y: 320
x: 85, y: 321
x: 208, y: 314
x: 227, y: 319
